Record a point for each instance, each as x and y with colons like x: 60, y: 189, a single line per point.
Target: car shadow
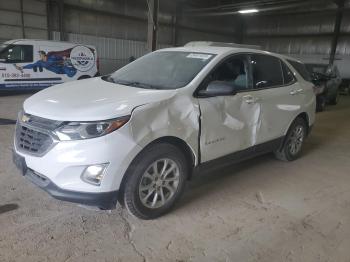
x: 7, y: 208
x: 5, y: 121
x: 211, y: 180
x: 16, y: 93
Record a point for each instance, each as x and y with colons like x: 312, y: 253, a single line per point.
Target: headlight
x: 85, y: 130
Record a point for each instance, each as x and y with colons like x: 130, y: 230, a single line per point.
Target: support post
x: 338, y: 20
x: 240, y: 29
x: 48, y: 18
x: 22, y: 20
x: 153, y: 8
x: 61, y: 20
x: 175, y: 23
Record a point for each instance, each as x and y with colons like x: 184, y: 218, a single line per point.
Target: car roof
x: 219, y: 50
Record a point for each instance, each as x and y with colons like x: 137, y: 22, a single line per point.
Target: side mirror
x: 217, y: 88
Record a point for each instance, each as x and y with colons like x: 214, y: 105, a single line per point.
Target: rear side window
x: 17, y: 54
x: 287, y: 74
x: 301, y: 68
x: 267, y: 71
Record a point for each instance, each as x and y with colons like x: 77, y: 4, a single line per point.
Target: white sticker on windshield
x: 199, y: 56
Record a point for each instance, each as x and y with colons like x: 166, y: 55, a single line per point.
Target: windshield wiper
x: 136, y: 84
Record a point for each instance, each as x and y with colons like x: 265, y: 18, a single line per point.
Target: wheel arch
x: 305, y: 117
x: 175, y: 141
x: 84, y: 77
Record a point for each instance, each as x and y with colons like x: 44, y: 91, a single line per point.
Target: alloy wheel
x: 159, y: 183
x: 296, y: 140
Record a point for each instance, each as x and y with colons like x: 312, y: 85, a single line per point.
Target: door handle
x: 250, y: 99
x: 296, y: 91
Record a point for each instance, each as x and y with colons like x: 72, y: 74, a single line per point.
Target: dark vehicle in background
x: 329, y: 77
x: 319, y: 80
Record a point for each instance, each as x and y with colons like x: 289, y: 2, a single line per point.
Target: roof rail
x: 220, y: 44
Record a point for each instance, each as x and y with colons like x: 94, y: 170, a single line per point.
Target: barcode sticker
x: 199, y: 56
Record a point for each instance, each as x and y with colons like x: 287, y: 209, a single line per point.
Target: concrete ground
x: 259, y: 210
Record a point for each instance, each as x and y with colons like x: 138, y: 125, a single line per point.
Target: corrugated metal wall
x: 34, y: 16
x: 119, y: 28
x: 113, y: 53
x: 298, y: 33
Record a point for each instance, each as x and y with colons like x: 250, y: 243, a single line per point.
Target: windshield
x: 161, y: 70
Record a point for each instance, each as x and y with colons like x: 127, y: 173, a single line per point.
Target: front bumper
x: 104, y: 200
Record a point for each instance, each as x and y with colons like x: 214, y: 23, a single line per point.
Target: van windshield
x: 2, y: 48
x: 161, y: 70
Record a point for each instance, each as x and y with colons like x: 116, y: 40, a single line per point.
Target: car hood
x: 90, y: 100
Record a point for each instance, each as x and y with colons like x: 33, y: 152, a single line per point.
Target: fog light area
x: 93, y: 174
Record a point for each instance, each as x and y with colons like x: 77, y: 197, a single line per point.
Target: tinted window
x: 301, y: 68
x: 17, y: 53
x: 267, y: 71
x: 233, y: 71
x: 287, y: 74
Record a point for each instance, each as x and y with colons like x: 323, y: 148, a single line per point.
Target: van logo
x: 25, y: 118
x: 82, y: 58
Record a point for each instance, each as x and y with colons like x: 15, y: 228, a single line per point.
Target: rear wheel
x: 294, y: 141
x: 84, y: 77
x: 155, y: 181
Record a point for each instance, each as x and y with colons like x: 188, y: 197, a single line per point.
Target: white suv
x: 138, y: 134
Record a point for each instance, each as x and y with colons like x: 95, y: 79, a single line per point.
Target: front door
x: 228, y: 123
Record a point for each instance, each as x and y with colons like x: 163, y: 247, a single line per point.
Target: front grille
x: 33, y: 134
x: 29, y: 140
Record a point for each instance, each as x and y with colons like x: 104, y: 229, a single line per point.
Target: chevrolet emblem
x: 25, y: 118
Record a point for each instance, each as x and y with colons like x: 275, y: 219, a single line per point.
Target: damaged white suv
x: 138, y: 134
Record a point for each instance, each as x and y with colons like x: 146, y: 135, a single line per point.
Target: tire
x: 334, y: 100
x: 288, y: 152
x: 143, y: 183
x: 321, y: 104
x: 84, y: 77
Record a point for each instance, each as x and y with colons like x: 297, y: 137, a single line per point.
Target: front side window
x: 267, y: 71
x: 233, y: 71
x: 17, y: 54
x: 161, y: 70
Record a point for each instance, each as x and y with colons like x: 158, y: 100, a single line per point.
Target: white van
x: 36, y: 64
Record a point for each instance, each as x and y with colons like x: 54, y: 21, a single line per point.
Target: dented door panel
x: 228, y: 125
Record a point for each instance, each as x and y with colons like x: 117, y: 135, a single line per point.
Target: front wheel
x: 293, y: 142
x: 155, y: 181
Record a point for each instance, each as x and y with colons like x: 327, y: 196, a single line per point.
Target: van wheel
x: 155, y: 181
x: 293, y: 142
x: 84, y: 77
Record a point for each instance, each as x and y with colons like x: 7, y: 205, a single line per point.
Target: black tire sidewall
x: 297, y: 122
x: 138, y: 167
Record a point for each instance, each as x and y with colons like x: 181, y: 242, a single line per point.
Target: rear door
x: 278, y: 94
